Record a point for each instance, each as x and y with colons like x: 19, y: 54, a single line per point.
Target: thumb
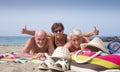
x: 25, y: 27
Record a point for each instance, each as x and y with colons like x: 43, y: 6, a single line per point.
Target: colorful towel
x: 110, y: 61
x: 4, y: 58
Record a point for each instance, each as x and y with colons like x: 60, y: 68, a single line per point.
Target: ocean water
x: 16, y: 40
x: 13, y: 40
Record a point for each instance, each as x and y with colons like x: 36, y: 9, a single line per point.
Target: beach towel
x: 7, y: 57
x: 102, y: 61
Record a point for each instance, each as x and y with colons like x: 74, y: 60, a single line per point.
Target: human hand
x: 40, y: 56
x: 96, y: 31
x: 24, y: 30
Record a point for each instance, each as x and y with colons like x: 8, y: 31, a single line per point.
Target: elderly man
x: 37, y: 46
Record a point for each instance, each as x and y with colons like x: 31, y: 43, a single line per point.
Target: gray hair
x: 74, y: 31
x: 39, y: 32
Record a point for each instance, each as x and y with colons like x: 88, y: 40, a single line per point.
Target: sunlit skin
x: 41, y: 40
x: 58, y: 36
x: 37, y: 46
x: 74, y: 43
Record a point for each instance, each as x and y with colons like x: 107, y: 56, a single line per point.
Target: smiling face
x: 40, y: 38
x: 75, y: 36
x: 76, y: 41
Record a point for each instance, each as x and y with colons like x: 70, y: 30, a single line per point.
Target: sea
x: 16, y: 40
x: 13, y: 40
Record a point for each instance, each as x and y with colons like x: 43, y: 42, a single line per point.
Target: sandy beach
x: 29, y: 66
x: 16, y: 67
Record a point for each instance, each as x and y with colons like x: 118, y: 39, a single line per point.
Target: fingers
x: 40, y: 56
x: 96, y: 31
x: 24, y: 29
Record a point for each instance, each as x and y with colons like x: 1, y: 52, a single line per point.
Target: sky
x: 41, y: 14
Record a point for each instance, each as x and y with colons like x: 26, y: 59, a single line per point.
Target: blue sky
x: 41, y: 14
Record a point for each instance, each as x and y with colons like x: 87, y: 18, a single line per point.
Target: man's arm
x: 29, y: 32
x: 26, y: 49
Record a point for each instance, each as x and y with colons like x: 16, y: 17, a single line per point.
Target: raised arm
x: 29, y: 32
x: 94, y: 32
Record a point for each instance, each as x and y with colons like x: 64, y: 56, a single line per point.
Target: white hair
x: 74, y: 31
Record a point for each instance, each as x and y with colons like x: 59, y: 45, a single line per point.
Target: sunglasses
x: 60, y: 30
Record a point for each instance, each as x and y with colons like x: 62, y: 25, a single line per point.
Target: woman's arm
x: 94, y: 32
x: 68, y: 45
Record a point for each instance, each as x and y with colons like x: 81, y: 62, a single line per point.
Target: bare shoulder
x: 49, y: 39
x: 49, y: 34
x: 28, y: 45
x: 30, y: 41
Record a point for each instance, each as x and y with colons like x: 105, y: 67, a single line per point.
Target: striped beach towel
x: 101, y: 62
x: 7, y: 57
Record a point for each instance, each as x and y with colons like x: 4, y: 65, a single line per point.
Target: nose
x: 58, y: 32
x: 76, y: 42
x: 40, y: 42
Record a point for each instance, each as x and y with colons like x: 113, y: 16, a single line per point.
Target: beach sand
x: 29, y: 66
x: 16, y: 67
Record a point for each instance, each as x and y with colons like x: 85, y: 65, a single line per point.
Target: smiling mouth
x: 40, y: 46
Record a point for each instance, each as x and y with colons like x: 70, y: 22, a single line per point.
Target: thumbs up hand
x: 24, y: 30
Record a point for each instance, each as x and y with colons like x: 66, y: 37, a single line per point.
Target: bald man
x: 37, y: 46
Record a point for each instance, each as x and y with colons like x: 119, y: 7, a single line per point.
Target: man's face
x: 40, y: 40
x: 76, y: 41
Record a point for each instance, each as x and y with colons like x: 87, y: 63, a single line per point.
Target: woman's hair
x: 56, y: 25
x: 74, y: 32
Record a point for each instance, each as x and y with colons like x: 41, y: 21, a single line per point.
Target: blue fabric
x: 111, y: 46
